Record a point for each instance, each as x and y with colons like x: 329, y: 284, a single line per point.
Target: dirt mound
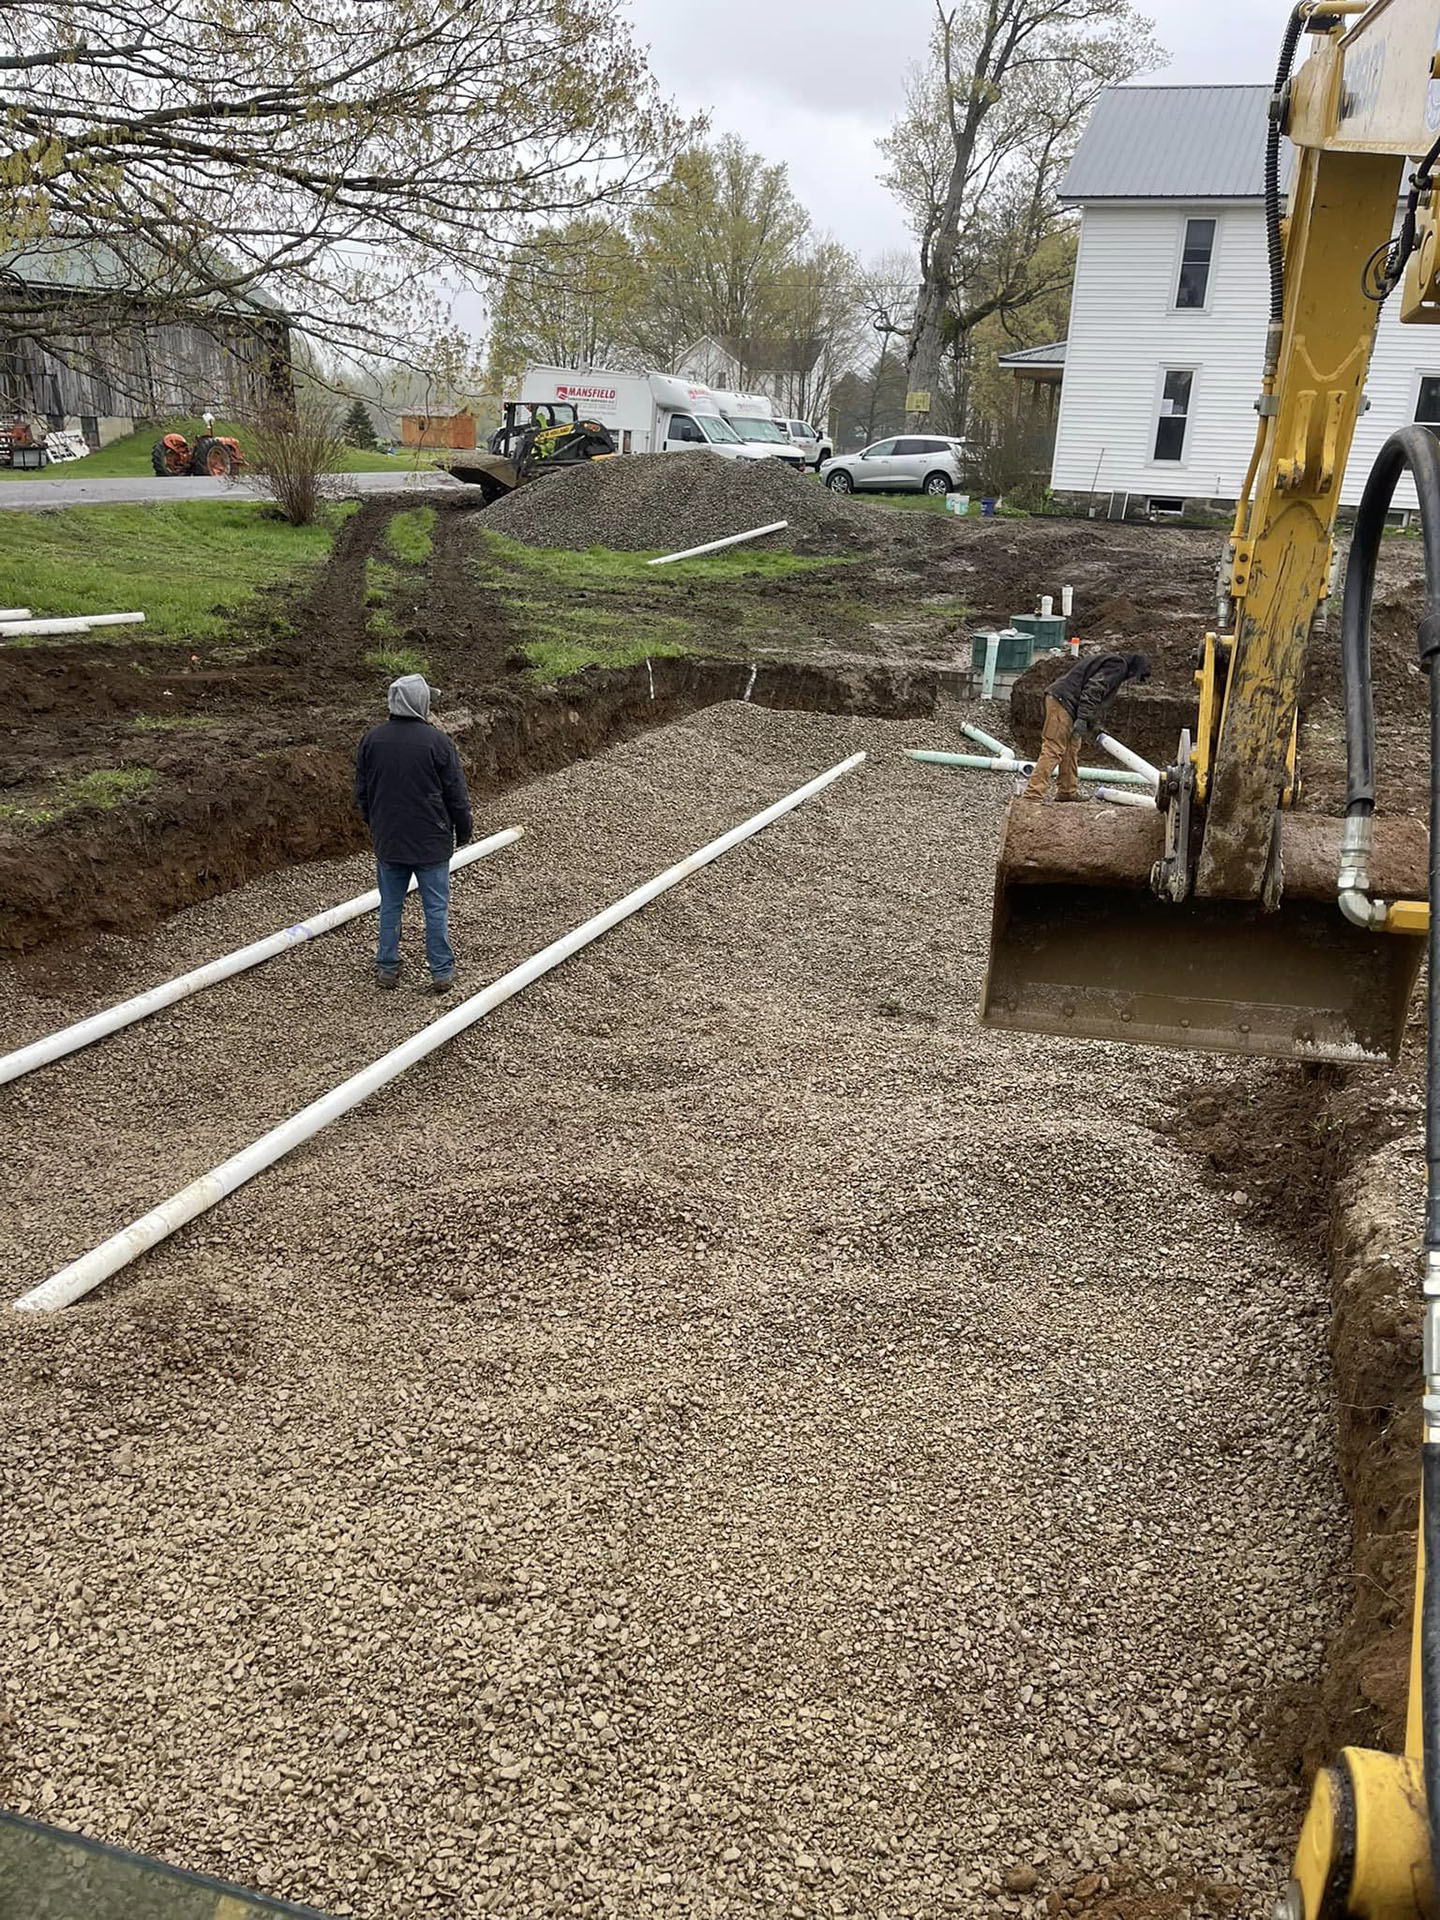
x: 655, y: 502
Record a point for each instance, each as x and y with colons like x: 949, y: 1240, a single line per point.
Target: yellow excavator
x: 1228, y: 919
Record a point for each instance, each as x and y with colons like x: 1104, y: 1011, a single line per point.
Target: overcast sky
x: 815, y: 82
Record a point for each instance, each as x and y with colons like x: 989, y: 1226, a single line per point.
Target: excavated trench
x: 1329, y: 1160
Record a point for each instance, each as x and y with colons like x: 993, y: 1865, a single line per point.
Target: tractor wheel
x: 213, y: 459
x: 169, y: 460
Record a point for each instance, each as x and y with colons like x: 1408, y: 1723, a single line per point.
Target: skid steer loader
x: 535, y: 437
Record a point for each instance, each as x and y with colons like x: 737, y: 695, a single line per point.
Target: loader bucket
x: 1080, y: 946
x: 494, y: 475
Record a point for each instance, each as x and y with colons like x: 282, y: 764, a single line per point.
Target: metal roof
x: 1052, y: 355
x: 1174, y: 143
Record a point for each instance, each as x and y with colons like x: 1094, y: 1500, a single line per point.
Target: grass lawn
x: 128, y: 459
x: 191, y: 568
x: 603, y: 608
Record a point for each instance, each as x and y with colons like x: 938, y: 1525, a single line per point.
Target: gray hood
x: 410, y: 697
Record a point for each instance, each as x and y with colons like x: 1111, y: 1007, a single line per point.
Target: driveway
x: 31, y: 495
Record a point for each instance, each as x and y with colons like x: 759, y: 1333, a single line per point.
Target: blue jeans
x: 433, y: 886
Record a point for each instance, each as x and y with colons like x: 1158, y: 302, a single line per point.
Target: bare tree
x: 988, y: 128
x: 266, y: 157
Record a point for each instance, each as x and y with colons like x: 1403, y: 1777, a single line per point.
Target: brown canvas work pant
x: 1060, y: 749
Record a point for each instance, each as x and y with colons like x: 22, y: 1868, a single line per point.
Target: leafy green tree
x: 567, y: 301
x: 713, y: 247
x: 328, y: 163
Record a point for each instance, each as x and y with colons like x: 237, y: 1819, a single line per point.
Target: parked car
x: 911, y: 463
x: 817, y: 447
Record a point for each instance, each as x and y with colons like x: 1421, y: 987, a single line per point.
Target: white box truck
x: 646, y: 412
x: 753, y: 417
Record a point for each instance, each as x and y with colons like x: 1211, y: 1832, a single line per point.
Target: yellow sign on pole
x: 917, y: 403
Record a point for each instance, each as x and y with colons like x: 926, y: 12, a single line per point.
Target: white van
x: 752, y: 415
x: 646, y: 412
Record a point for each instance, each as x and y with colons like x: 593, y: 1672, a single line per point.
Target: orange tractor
x: 211, y: 455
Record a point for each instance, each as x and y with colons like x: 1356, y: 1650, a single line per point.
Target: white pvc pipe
x: 1067, y: 601
x: 974, y: 762
x: 77, y: 1279
x: 984, y: 739
x: 1125, y: 797
x: 82, y: 623
x: 992, y: 657
x: 714, y: 546
x: 1118, y: 750
x: 55, y: 1046
x: 14, y: 613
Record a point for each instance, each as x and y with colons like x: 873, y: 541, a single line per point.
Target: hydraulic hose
x: 1273, y: 239
x: 1416, y: 449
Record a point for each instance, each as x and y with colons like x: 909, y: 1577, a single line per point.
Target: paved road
x: 31, y: 495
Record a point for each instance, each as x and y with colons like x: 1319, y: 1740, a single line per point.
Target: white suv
x: 910, y: 463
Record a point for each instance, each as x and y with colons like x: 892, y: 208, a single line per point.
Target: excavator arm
x: 1227, y: 920
x: 1217, y: 923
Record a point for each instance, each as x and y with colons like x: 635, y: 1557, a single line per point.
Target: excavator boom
x: 1224, y: 941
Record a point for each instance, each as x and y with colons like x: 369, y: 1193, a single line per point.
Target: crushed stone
x: 658, y: 502
x: 723, y: 1437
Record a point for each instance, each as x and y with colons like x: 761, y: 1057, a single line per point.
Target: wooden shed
x: 455, y: 430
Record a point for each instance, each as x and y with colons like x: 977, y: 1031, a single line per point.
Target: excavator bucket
x: 1081, y: 946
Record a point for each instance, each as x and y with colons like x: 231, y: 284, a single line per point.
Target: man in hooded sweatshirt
x: 410, y: 789
x: 1074, y: 708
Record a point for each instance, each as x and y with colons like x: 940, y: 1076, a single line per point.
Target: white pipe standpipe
x: 80, y: 623
x: 987, y: 740
x: 1125, y: 797
x: 77, y: 1279
x: 70, y: 1039
x: 1118, y: 750
x: 992, y: 659
x: 714, y: 546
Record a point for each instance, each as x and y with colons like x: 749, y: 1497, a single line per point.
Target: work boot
x: 1069, y: 796
x: 441, y: 987
x: 386, y: 979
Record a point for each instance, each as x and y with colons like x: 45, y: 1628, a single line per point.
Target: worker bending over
x: 410, y: 788
x: 1074, y: 708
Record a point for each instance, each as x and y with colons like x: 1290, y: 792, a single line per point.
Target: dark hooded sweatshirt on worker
x: 409, y: 785
x: 1087, y: 688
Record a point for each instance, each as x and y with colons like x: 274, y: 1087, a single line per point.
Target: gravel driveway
x: 723, y: 1438
x: 29, y: 495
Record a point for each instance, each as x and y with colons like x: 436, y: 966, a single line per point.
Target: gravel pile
x: 657, y: 502
x: 722, y: 1438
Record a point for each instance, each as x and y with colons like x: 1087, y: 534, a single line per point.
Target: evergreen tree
x: 359, y: 428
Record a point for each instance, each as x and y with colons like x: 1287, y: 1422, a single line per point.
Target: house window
x: 1174, y: 413
x: 1198, y: 249
x: 1427, y: 401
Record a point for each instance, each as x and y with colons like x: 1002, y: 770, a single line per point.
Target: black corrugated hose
x: 1417, y: 449
x: 1273, y: 240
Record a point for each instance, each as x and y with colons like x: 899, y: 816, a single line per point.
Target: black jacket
x: 1087, y: 688
x: 411, y: 791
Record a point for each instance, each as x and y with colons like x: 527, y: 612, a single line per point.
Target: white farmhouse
x: 1167, y: 321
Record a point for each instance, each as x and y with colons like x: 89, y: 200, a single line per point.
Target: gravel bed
x: 723, y: 1437
x: 661, y: 502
